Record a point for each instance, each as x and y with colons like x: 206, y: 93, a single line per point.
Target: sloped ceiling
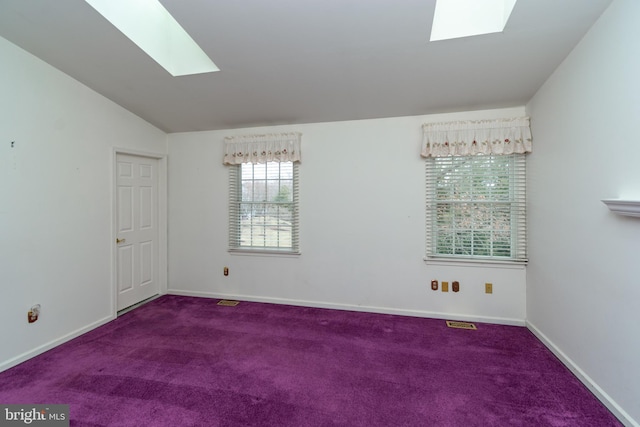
x: 305, y: 61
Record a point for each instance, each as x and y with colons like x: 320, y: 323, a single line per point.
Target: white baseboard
x: 606, y: 400
x: 348, y: 307
x: 51, y: 344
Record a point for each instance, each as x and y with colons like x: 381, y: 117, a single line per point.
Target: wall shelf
x: 623, y: 207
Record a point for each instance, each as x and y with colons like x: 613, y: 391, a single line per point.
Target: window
x: 476, y: 207
x: 264, y: 206
x: 263, y: 192
x: 475, y: 183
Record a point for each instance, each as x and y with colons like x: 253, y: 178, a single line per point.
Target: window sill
x: 489, y: 263
x: 262, y: 252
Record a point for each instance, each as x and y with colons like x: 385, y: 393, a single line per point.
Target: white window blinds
x: 263, y: 192
x: 476, y: 207
x: 476, y: 189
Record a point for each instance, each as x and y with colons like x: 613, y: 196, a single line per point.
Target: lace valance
x: 282, y: 147
x: 465, y: 138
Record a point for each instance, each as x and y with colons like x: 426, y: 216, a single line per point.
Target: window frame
x: 235, y: 213
x: 517, y: 217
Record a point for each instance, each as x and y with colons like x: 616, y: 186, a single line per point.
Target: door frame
x: 162, y: 221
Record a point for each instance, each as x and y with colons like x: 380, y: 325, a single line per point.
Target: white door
x: 136, y: 229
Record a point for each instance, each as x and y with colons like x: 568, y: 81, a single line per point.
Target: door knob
x: 120, y: 240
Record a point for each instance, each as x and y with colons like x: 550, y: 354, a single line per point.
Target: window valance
x: 283, y: 147
x: 465, y: 138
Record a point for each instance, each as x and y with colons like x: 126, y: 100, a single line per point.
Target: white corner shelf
x: 623, y: 207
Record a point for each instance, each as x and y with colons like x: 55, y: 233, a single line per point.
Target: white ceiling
x: 305, y: 61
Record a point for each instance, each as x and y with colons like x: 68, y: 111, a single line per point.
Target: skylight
x: 464, y: 18
x: 149, y: 25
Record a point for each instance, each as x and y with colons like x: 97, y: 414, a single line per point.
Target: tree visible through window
x: 476, y: 207
x: 264, y: 206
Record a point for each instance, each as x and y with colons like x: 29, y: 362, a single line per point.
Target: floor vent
x: 228, y: 303
x: 461, y: 325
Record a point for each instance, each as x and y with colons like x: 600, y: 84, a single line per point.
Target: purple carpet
x: 181, y: 361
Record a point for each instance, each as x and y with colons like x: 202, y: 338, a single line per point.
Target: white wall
x: 583, y: 279
x: 55, y: 202
x: 362, y: 209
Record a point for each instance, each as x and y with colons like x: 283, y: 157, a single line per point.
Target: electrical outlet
x: 33, y: 313
x: 488, y: 288
x: 455, y: 286
x: 434, y: 285
x: 226, y: 271
x: 445, y: 286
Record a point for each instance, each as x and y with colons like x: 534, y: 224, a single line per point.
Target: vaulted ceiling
x: 305, y: 61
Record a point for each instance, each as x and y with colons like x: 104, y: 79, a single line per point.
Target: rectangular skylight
x: 149, y: 25
x: 464, y: 18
